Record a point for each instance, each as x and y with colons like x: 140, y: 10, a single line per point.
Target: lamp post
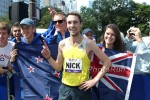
x: 32, y: 10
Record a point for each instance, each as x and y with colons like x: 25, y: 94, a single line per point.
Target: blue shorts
x: 73, y: 93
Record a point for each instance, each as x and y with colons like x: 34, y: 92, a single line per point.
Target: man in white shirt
x: 5, y: 49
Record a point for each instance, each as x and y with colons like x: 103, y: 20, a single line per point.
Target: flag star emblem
x: 31, y: 69
x: 39, y: 59
x: 56, y: 74
x: 48, y: 98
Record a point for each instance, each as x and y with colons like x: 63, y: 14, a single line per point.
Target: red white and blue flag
x: 116, y: 83
x: 39, y: 80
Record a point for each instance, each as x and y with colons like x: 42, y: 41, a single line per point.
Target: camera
x: 131, y: 33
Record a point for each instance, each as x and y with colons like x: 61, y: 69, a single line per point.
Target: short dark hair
x: 5, y: 26
x: 75, y: 14
x: 16, y: 24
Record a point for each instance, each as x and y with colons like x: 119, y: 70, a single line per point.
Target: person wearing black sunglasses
x: 57, y: 30
x: 58, y: 21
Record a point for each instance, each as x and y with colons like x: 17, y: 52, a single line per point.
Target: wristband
x: 48, y: 57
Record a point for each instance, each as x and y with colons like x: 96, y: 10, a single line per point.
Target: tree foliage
x: 112, y: 11
x: 89, y: 19
x: 5, y: 19
x: 141, y: 15
x: 123, y: 13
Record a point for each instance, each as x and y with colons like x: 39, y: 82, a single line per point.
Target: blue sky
x: 141, y: 1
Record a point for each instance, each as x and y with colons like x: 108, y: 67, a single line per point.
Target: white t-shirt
x: 5, y: 53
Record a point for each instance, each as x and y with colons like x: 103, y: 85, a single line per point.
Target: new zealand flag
x: 38, y: 79
x: 116, y: 83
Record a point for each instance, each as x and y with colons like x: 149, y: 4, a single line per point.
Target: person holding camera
x: 132, y: 38
x: 141, y: 47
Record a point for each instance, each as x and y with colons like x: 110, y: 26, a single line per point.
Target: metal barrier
x: 9, y: 74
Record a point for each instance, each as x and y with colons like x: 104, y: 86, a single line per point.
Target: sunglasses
x: 59, y: 22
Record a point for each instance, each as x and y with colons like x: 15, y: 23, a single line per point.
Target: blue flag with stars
x: 39, y: 80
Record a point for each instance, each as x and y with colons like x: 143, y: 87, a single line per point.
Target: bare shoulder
x: 91, y: 43
x: 62, y: 43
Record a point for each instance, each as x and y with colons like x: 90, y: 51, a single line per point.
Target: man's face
x: 17, y: 32
x: 27, y: 31
x: 4, y: 35
x: 60, y: 23
x: 89, y: 35
x: 73, y: 25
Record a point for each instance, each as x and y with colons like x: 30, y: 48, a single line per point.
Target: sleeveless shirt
x: 76, y: 63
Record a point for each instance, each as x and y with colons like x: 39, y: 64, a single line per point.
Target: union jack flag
x: 114, y: 84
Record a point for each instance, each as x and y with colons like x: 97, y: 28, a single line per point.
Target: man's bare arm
x: 106, y: 64
x: 57, y: 65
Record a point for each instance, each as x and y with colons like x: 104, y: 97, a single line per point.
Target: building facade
x: 65, y: 5
x: 37, y: 2
x: 4, y: 7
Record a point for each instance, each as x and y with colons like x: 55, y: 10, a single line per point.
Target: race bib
x: 73, y: 65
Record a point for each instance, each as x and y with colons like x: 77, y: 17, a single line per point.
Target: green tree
x: 113, y: 11
x: 89, y: 19
x: 5, y: 19
x: 124, y: 13
x: 141, y: 15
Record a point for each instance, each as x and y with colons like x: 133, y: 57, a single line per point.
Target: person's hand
x: 52, y: 12
x: 13, y: 54
x: 2, y: 70
x: 87, y: 84
x: 134, y: 33
x: 129, y: 52
x: 45, y: 51
x: 129, y: 31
